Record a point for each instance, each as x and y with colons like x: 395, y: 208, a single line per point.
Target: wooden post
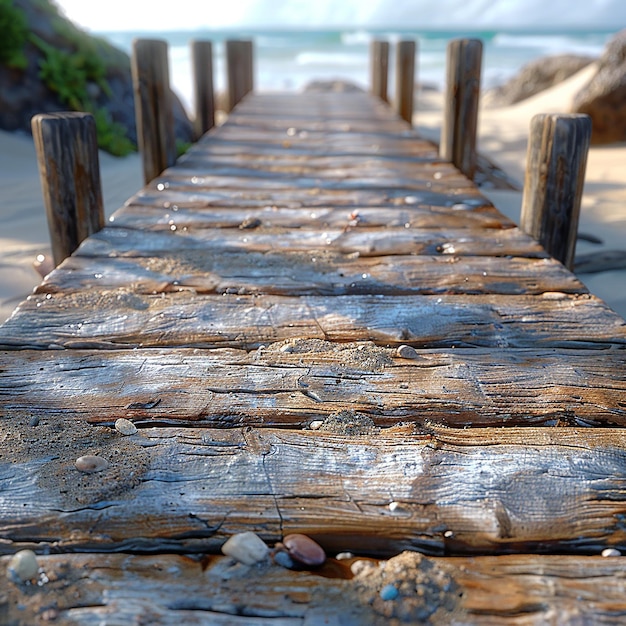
x: 153, y: 106
x: 379, y: 58
x: 555, y: 172
x: 240, y: 70
x: 67, y: 155
x: 202, y: 59
x: 458, y: 135
x: 405, y: 79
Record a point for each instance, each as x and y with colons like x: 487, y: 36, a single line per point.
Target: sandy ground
x: 503, y: 136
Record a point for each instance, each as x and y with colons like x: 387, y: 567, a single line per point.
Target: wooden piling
x: 555, y: 172
x: 67, y: 155
x: 153, y: 106
x: 240, y: 70
x: 204, y: 97
x: 405, y: 79
x: 379, y: 59
x: 458, y: 135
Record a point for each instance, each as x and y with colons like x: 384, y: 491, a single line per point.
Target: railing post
x: 240, y: 70
x: 405, y: 79
x: 458, y: 135
x: 67, y: 155
x: 153, y: 106
x: 555, y: 173
x: 204, y: 97
x: 379, y: 59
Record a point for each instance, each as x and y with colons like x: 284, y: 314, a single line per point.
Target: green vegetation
x: 14, y: 31
x: 73, y: 73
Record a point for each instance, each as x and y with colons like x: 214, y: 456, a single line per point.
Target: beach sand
x: 503, y: 134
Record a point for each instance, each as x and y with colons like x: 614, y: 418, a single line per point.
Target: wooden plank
x: 354, y: 239
x: 91, y: 589
x: 186, y: 490
x: 120, y: 318
x: 323, y: 273
x: 313, y: 379
x: 67, y: 156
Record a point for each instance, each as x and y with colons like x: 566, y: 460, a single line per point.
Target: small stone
x: 23, y: 566
x: 283, y: 559
x: 389, y: 592
x: 34, y: 421
x: 393, y: 506
x: 344, y: 556
x: 407, y: 352
x: 611, y: 552
x: 316, y: 424
x: 247, y: 548
x: 125, y: 427
x: 90, y: 464
x: 304, y: 550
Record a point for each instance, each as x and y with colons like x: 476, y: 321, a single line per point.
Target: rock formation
x: 536, y: 76
x: 604, y: 97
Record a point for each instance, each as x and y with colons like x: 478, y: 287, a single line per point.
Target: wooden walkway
x: 318, y: 327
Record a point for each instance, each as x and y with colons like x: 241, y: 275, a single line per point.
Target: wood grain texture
x: 121, y: 318
x: 67, y: 156
x: 227, y: 387
x: 169, y: 589
x: 187, y: 490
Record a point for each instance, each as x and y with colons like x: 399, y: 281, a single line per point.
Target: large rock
x: 604, y: 97
x: 52, y: 40
x: 537, y: 76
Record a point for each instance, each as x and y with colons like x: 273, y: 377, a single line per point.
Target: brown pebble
x: 304, y: 550
x: 90, y: 464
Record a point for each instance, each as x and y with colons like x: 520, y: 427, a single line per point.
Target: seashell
x: 125, y: 427
x: 407, y: 352
x: 90, y: 464
x: 304, y: 550
x: 247, y: 548
x: 611, y: 552
x: 23, y: 566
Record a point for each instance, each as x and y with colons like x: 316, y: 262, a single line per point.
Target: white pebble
x: 611, y: 552
x: 23, y: 566
x: 344, y: 556
x: 316, y: 424
x: 393, y: 506
x: 407, y: 352
x: 125, y: 427
x: 247, y: 548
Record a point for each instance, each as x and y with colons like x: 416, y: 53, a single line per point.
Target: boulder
x: 56, y: 66
x: 537, y: 76
x: 604, y: 97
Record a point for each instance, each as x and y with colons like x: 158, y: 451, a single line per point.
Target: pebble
x: 611, y: 552
x: 344, y: 556
x: 407, y: 352
x: 288, y: 348
x: 304, y: 550
x: 90, y: 464
x: 283, y: 559
x: 247, y: 548
x: 125, y: 427
x: 389, y: 592
x: 316, y: 424
x: 34, y: 421
x: 23, y: 566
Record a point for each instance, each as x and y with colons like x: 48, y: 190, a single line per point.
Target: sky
x: 161, y: 15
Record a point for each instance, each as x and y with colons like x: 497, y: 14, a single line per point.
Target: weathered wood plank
x: 187, y: 490
x: 322, y: 273
x: 122, y: 319
x: 314, y: 379
x: 354, y: 239
x: 91, y: 589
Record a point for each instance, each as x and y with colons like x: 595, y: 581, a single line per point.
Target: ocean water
x: 289, y: 59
